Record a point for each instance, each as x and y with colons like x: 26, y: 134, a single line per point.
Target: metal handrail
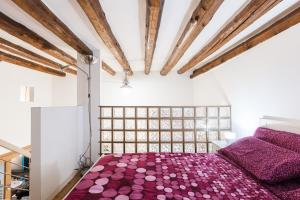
x: 6, y: 186
x: 8, y: 173
x: 14, y: 163
x: 15, y: 176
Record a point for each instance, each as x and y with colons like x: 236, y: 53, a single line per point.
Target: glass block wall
x: 133, y: 129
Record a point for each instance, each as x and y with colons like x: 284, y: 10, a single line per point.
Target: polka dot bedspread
x: 162, y: 176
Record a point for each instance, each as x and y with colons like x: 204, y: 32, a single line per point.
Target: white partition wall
x: 56, y: 146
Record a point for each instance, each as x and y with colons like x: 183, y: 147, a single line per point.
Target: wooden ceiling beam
x: 96, y: 15
x: 108, y: 69
x: 18, y: 50
x: 40, y: 12
x: 275, y: 28
x: 250, y: 13
x: 154, y: 10
x: 23, y: 33
x: 28, y: 64
x: 199, y: 19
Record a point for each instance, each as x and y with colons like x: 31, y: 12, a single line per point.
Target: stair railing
x: 14, y: 177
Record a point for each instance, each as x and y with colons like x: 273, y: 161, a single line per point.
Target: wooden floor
x: 68, y: 187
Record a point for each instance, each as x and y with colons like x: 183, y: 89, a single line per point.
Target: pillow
x: 283, y: 139
x: 266, y: 161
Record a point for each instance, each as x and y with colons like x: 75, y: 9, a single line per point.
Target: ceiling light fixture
x: 125, y: 83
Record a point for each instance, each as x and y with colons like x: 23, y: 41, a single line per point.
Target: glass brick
x: 188, y: 112
x: 118, y: 148
x: 212, y: 124
x: 106, y: 124
x: 141, y: 136
x: 224, y: 111
x: 165, y: 136
x: 129, y: 124
x: 106, y: 148
x: 224, y: 123
x: 153, y: 136
x: 212, y: 135
x: 165, y: 112
x: 177, y: 136
x: 106, y: 136
x: 153, y: 124
x: 189, y: 148
x: 118, y: 124
x: 222, y: 135
x: 177, y: 124
x: 129, y: 112
x: 212, y: 111
x: 141, y: 147
x: 106, y: 112
x: 165, y: 124
x: 142, y: 112
x: 130, y: 136
x: 188, y: 124
x: 153, y: 112
x: 189, y: 136
x: 177, y: 147
x: 210, y: 147
x: 176, y: 112
x: 201, y: 148
x: 118, y: 136
x: 165, y: 147
x: 201, y: 136
x: 142, y: 124
x: 201, y: 112
x: 201, y: 124
x: 153, y: 147
x: 118, y: 112
x: 129, y: 148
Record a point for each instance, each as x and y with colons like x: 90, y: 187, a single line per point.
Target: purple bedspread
x: 167, y: 176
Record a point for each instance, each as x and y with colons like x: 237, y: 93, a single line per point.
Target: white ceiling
x: 127, y: 21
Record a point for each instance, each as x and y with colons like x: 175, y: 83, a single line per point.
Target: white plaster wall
x: 15, y: 115
x: 49, y: 90
x: 56, y: 147
x: 64, y: 90
x: 147, y: 90
x: 262, y: 81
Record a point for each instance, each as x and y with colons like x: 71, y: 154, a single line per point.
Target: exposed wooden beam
x: 18, y: 50
x: 154, y: 10
x: 200, y: 18
x: 7, y: 180
x: 12, y: 154
x: 14, y: 148
x: 96, y: 15
x: 250, y: 13
x: 23, y: 33
x: 275, y: 28
x: 39, y: 11
x: 28, y: 64
x: 108, y: 69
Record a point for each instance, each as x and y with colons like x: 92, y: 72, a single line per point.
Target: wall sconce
x: 27, y: 94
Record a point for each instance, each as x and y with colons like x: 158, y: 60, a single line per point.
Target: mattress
x: 167, y: 176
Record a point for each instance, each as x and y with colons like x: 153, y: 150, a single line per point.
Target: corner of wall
x: 35, y: 166
x: 207, y: 90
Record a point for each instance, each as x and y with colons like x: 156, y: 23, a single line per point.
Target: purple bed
x: 258, y: 167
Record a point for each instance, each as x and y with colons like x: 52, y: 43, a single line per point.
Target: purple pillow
x: 267, y: 162
x: 283, y: 139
